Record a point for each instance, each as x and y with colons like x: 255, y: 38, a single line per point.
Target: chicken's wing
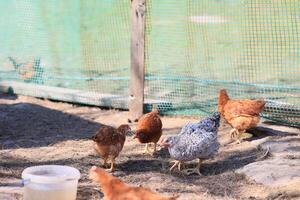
x: 109, y: 142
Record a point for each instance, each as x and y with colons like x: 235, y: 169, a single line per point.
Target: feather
x: 198, y: 140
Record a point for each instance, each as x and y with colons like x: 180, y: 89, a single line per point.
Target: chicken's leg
x: 112, y: 165
x: 195, y: 170
x: 239, y: 136
x: 154, y: 150
x: 235, y: 135
x: 105, y: 164
x: 146, y: 150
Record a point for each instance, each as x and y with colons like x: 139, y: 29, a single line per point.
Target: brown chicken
x: 240, y: 114
x: 26, y: 70
x: 115, y: 189
x: 109, y: 142
x: 149, y: 129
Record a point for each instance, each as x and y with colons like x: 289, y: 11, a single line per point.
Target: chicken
x: 195, y: 141
x: 109, y: 142
x: 115, y: 189
x: 149, y: 129
x: 240, y: 114
x: 30, y: 71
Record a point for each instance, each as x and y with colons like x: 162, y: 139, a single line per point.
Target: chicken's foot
x: 105, y: 164
x: 146, y: 150
x: 239, y: 136
x: 195, y: 170
x: 234, y: 133
x: 178, y: 164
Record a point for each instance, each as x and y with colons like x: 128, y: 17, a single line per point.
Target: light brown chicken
x: 240, y: 114
x: 149, y: 129
x: 109, y: 142
x: 26, y: 70
x: 115, y: 189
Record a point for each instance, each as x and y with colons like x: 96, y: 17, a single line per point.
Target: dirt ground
x: 36, y: 132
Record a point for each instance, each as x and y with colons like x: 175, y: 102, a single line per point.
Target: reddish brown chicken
x: 240, y: 114
x: 149, y: 130
x: 115, y: 189
x: 109, y: 142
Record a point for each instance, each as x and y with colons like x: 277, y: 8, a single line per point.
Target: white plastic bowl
x: 50, y: 182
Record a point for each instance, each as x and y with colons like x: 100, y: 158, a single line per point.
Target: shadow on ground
x: 25, y: 125
x: 8, y: 96
x: 135, y: 172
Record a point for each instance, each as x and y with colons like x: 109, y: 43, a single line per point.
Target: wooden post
x: 136, y: 91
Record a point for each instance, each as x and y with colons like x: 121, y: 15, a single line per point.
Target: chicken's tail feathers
x: 223, y: 94
x: 260, y: 104
x: 223, y: 99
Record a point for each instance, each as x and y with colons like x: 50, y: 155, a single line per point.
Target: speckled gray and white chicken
x: 195, y: 141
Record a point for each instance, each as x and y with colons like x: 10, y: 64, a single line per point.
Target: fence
x: 79, y: 51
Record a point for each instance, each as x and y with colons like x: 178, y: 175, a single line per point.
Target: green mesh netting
x: 193, y: 48
x: 74, y: 44
x: 251, y: 48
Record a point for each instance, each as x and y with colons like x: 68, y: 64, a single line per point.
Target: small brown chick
x: 109, y: 142
x: 241, y: 114
x: 115, y: 189
x: 149, y: 129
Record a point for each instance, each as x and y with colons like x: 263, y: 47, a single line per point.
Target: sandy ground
x: 35, y: 132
